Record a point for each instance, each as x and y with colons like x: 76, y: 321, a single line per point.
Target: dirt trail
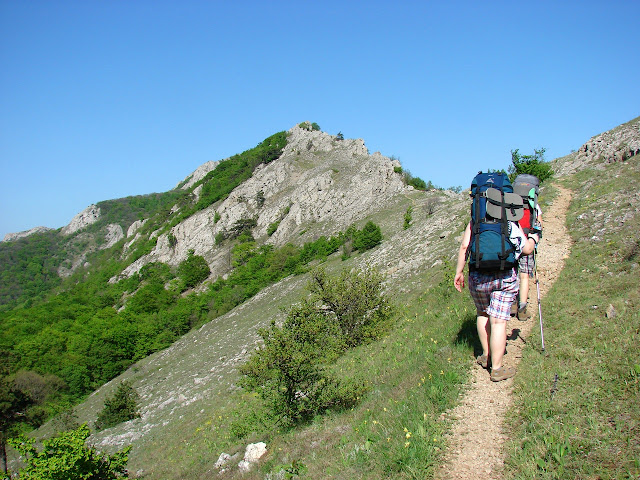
x: 475, y: 443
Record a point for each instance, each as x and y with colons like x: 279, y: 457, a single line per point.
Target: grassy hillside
x: 581, y: 424
x: 576, y: 413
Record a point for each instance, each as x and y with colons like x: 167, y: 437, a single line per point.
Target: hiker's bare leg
x: 484, y: 331
x: 497, y: 341
x: 524, y: 288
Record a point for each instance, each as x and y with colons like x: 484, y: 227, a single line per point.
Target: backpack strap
x: 504, y: 227
x: 475, y: 225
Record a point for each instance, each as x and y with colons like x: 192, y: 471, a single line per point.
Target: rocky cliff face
x: 319, y: 186
x: 10, y: 237
x: 616, y: 145
x: 89, y: 215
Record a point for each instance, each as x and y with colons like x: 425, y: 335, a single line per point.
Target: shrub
x: 173, y: 241
x: 290, y: 370
x: 120, y: 407
x: 287, y: 372
x: 530, y: 164
x: 271, y: 229
x: 193, y: 270
x: 68, y: 457
x: 431, y: 204
x: 356, y: 301
x: 367, y: 238
x: 242, y: 225
x: 408, y: 218
x: 415, y: 182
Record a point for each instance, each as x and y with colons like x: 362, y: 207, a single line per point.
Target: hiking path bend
x: 476, y: 440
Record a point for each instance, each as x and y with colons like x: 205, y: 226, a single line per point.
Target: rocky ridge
x: 319, y: 185
x: 616, y: 145
x: 10, y: 237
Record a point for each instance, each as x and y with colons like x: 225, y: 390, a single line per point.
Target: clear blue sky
x: 106, y: 99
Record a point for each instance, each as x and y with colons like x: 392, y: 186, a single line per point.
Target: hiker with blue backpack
x: 492, y: 243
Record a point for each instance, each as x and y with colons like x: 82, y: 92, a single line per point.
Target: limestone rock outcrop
x: 615, y: 145
x: 10, y: 237
x: 89, y: 215
x: 320, y: 185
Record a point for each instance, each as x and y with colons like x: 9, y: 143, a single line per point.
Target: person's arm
x: 458, y: 280
x: 539, y: 215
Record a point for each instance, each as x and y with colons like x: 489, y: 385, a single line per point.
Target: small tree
x: 67, y: 457
x: 21, y: 397
x: 408, y: 218
x: 121, y: 407
x: 289, y: 371
x: 356, y: 301
x: 370, y: 236
x: 193, y: 270
x: 430, y: 205
x: 530, y: 164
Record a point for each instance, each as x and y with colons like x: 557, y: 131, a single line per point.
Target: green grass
x: 577, y: 407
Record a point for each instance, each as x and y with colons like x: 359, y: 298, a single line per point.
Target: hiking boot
x: 483, y: 361
x: 522, y: 313
x: 502, y: 373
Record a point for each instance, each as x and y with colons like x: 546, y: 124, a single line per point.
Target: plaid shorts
x: 493, y: 293
x: 526, y: 264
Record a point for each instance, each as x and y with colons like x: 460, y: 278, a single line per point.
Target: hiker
x: 493, y: 286
x: 528, y: 187
x: 526, y: 267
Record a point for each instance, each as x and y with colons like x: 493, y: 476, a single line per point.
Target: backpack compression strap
x: 475, y: 224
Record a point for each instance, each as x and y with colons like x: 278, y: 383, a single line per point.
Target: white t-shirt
x: 517, y: 237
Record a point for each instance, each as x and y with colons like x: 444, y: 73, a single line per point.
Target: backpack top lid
x: 527, y: 186
x: 511, y: 205
x: 526, y: 180
x: 498, y: 180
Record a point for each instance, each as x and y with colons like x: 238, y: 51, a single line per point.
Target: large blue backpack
x: 494, y: 205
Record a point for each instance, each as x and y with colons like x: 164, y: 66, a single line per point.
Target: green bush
x: 408, y: 218
x: 271, y: 229
x: 370, y: 236
x: 356, y: 301
x: 193, y: 270
x: 530, y: 164
x: 309, y: 126
x: 415, y: 182
x: 290, y: 370
x: 67, y: 457
x: 287, y: 372
x: 120, y: 407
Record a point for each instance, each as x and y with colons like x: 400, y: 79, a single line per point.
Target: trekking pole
x: 535, y: 271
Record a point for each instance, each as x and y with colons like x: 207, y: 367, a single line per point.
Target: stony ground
x: 478, y: 435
